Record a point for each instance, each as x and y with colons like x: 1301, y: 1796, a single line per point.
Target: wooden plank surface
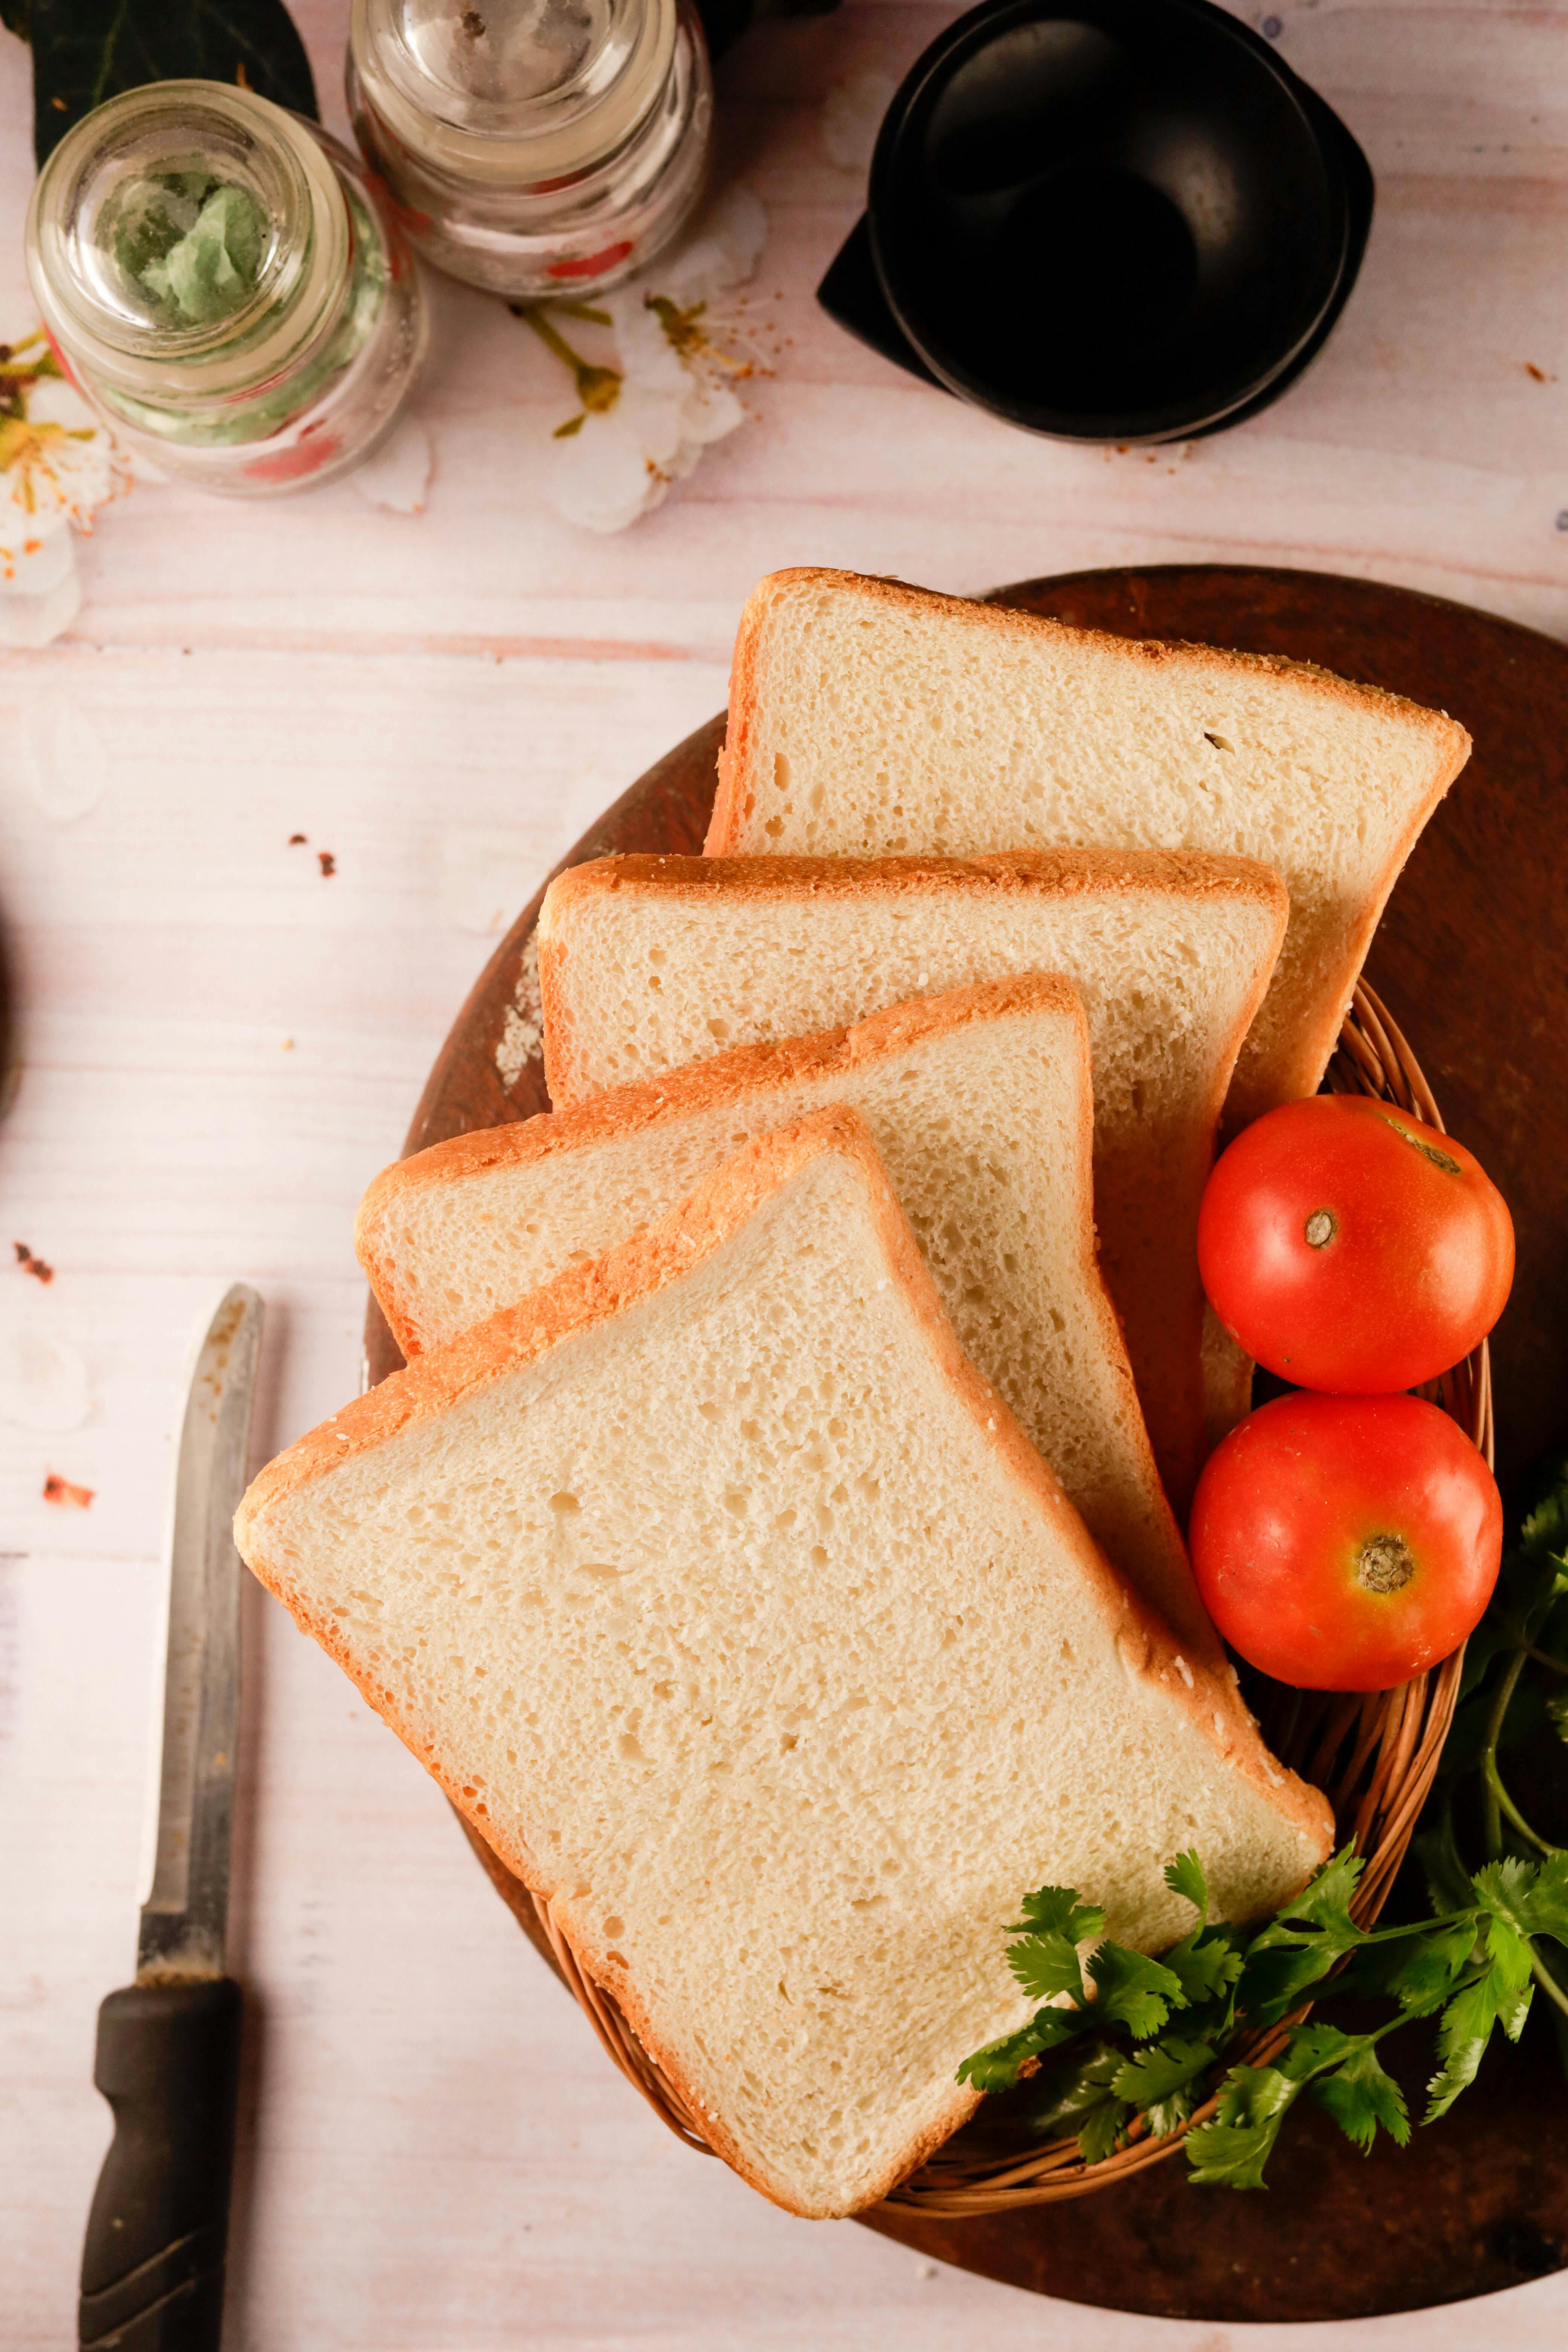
x: 438, y: 2159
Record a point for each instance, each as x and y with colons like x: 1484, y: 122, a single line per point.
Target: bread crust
x: 1056, y: 873
x: 1450, y: 742
x: 684, y: 1093
x: 585, y: 1297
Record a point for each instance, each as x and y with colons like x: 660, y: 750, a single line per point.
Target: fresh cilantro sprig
x: 1147, y: 2034
x: 1126, y: 2046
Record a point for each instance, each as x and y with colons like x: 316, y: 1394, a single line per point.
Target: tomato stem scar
x: 1384, y: 1563
x: 1320, y: 1228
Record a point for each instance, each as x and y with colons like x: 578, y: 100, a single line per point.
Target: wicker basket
x: 1373, y: 1755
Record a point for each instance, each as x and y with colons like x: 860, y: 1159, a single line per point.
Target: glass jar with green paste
x: 224, y: 281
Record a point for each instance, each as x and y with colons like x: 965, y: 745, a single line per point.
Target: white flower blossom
x: 656, y: 364
x: 58, y: 463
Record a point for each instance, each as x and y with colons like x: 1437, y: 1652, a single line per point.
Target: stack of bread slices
x: 774, y: 1544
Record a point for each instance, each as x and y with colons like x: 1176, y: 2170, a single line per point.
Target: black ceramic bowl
x: 1106, y: 220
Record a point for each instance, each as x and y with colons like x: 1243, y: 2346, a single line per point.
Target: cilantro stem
x: 1498, y: 1797
x: 1415, y: 1927
x: 1558, y: 1666
x: 1494, y: 1796
x: 1547, y: 1981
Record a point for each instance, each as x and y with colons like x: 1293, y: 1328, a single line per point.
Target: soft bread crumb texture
x: 650, y: 962
x: 867, y: 718
x: 980, y: 1105
x: 734, y: 1610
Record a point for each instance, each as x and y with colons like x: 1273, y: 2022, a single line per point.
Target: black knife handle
x: 152, y: 2269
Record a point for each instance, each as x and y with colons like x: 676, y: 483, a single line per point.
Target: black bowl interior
x: 1105, y: 217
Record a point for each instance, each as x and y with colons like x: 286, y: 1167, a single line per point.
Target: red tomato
x: 1349, y: 1247
x: 1345, y: 1543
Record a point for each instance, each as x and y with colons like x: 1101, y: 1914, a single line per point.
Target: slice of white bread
x: 867, y: 718
x: 737, y: 1614
x: 649, y: 963
x: 980, y: 1105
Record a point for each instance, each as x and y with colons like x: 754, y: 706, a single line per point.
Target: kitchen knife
x: 168, y: 2045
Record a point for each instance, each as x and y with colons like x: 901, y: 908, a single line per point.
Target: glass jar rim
x: 593, y: 111
x: 300, y: 284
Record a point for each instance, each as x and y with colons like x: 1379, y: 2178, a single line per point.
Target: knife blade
x: 168, y: 2045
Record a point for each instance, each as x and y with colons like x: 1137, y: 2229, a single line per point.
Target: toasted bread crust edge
x: 1062, y: 872
x: 584, y: 1296
x: 730, y: 809
x: 685, y: 1093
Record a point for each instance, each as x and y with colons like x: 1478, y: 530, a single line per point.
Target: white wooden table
x: 221, y: 1045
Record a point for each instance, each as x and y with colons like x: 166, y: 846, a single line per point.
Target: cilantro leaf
x: 1324, y: 1901
x: 1360, y: 2095
x: 1310, y: 2048
x: 1504, y: 1889
x: 1133, y: 1991
x: 1419, y: 1972
x: 1548, y: 1901
x: 1045, y: 1965
x: 1156, y: 2072
x: 997, y: 2066
x: 1310, y: 1936
x: 1462, y: 2039
x: 1206, y: 1962
x: 1235, y: 2148
x: 1057, y: 1911
x: 1557, y: 1713
x: 1076, y: 2081
x: 1185, y: 1876
x: 1529, y: 1898
x: 1102, y: 2128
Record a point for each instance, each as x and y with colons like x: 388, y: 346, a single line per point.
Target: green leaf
x: 1529, y: 1898
x: 1310, y: 1936
x: 1133, y: 1991
x: 997, y: 2065
x: 1232, y: 2150
x: 1206, y: 1962
x: 1103, y: 2127
x: 1057, y: 1911
x: 1073, y: 2082
x: 1360, y: 2095
x: 87, y: 50
x: 1324, y: 1901
x: 1045, y: 1965
x: 1230, y: 2156
x: 1313, y: 2047
x: 1462, y: 2039
x: 1549, y: 1899
x: 1185, y: 1876
x: 1557, y: 1711
x: 1054, y: 1924
x: 1154, y: 2073
x: 1420, y: 1972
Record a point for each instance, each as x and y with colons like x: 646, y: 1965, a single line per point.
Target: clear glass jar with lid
x: 222, y: 280
x: 535, y: 147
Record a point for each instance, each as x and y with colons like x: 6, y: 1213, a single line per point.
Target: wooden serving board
x: 1471, y: 959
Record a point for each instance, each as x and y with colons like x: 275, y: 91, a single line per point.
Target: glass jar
x: 535, y: 147
x: 224, y: 282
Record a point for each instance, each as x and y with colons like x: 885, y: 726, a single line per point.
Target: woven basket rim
x: 1375, y: 1755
